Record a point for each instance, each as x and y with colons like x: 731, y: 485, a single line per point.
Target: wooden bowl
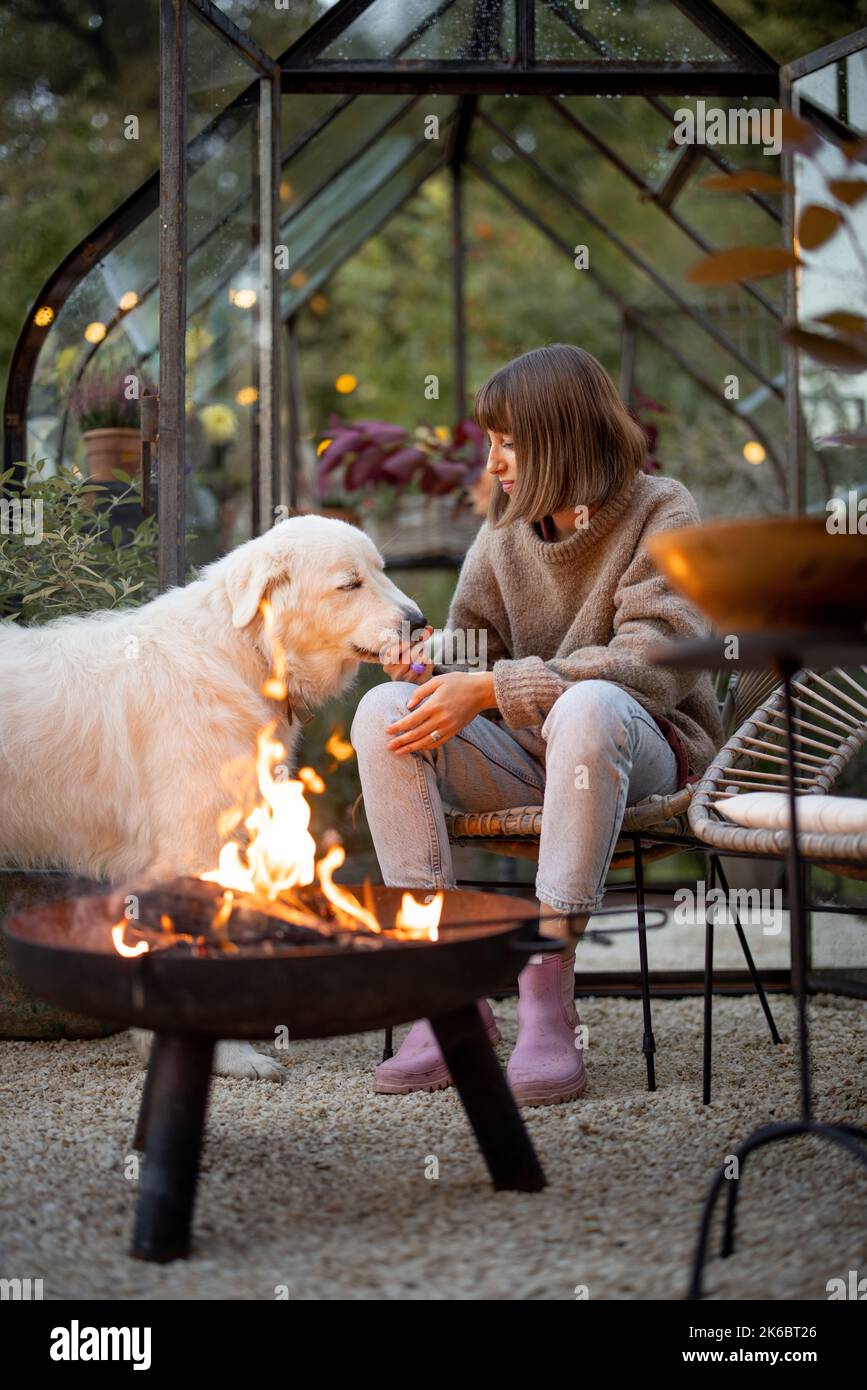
x: 768, y: 573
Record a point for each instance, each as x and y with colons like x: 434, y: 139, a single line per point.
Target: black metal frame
x: 297, y: 70
x: 266, y: 487
x: 300, y: 70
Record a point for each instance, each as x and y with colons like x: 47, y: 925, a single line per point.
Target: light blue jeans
x: 603, y: 752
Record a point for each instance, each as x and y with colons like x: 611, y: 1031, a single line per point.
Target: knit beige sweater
x: 587, y: 608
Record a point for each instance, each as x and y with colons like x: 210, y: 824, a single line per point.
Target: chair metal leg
x: 846, y: 1136
x: 387, y: 1044
x: 748, y: 957
x: 707, y: 1048
x: 648, y: 1046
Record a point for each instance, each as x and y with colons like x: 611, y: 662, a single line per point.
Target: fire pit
x: 196, y: 965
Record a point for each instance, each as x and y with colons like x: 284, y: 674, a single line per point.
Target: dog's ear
x: 248, y: 578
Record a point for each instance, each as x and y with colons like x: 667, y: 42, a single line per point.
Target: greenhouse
x: 563, y: 308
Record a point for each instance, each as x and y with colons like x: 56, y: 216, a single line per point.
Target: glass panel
x: 633, y: 129
x: 350, y: 128
x: 576, y: 170
x: 833, y: 279
x: 277, y: 25
x: 428, y: 29
x: 92, y: 345
x: 224, y: 299
x: 315, y: 252
x: 841, y: 90
x: 645, y: 29
x: 300, y: 115
x: 856, y: 91
x: 216, y: 74
x: 375, y: 169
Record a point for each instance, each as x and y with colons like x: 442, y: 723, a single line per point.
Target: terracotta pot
x: 108, y: 450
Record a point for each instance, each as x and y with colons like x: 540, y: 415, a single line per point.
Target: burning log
x: 197, y: 917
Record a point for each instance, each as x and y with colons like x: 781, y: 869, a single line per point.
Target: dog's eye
x: 353, y: 584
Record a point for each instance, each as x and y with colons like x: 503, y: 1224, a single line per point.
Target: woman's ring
x: 435, y: 736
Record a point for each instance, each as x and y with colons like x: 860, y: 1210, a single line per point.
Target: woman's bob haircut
x: 575, y: 442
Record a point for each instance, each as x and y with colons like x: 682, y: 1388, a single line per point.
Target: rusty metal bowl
x: 63, y: 952
x: 782, y: 574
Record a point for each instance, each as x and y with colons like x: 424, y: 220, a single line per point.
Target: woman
x: 559, y: 592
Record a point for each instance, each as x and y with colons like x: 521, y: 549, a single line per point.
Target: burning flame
x: 224, y: 911
x: 120, y: 945
x: 281, y: 852
x: 277, y: 856
x: 339, y: 897
x: 280, y: 856
x: 420, y: 919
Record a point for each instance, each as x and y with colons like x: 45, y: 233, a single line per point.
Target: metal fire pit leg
x: 490, y: 1105
x: 139, y: 1141
x: 175, y: 1101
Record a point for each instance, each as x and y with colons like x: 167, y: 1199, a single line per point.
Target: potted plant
x: 110, y: 423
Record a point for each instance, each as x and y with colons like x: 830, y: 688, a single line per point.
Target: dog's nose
x: 415, y: 618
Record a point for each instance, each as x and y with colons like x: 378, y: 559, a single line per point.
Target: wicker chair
x: 652, y: 829
x: 831, y: 715
x: 831, y: 718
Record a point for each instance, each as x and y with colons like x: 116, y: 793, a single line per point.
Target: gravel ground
x: 321, y: 1187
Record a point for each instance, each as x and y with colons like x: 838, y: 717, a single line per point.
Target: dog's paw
x: 141, y: 1040
x: 240, y: 1059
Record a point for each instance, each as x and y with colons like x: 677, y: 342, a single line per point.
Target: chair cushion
x: 821, y: 815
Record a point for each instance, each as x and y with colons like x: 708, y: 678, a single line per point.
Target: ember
x: 121, y: 947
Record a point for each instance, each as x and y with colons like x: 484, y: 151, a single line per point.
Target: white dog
x: 117, y: 729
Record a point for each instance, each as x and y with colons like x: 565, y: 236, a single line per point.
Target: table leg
x: 490, y: 1105
x: 176, y: 1096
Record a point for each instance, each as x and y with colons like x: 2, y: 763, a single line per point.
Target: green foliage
x: 81, y: 561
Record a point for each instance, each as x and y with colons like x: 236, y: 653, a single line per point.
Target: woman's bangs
x: 491, y: 409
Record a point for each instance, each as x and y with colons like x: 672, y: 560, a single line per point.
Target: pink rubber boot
x: 418, y: 1064
x: 547, y: 1065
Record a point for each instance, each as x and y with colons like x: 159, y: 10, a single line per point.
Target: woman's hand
x: 441, y: 706
x: 397, y: 661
